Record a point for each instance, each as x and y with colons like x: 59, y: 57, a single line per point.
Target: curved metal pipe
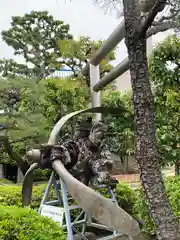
x: 116, y: 36
x: 112, y: 75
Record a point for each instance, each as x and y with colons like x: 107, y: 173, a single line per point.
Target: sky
x: 84, y: 18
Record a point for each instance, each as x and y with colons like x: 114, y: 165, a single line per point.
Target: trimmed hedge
x: 11, y: 195
x: 131, y: 201
x: 26, y: 224
x: 125, y: 196
x: 172, y: 185
x: 42, y: 175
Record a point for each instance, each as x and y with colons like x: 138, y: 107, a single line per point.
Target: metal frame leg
x: 66, y: 210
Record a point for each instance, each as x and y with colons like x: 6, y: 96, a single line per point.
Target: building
x: 61, y: 73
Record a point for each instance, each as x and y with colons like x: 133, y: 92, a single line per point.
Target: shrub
x: 125, y: 196
x: 173, y: 192
x: 11, y: 195
x: 42, y: 175
x: 26, y: 224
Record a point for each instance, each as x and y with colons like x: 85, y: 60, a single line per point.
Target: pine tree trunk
x: 167, y: 227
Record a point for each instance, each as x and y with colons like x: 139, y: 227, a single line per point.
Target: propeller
x: 99, y: 207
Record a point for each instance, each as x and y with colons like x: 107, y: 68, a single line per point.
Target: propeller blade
x: 104, y: 110
x: 99, y: 207
x: 27, y: 185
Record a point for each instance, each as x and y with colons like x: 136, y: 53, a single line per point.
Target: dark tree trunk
x: 177, y: 167
x: 146, y: 150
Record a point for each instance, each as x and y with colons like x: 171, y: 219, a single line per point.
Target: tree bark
x: 177, y: 168
x: 146, y: 150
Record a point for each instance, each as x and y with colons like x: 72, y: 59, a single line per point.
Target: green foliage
x: 35, y: 36
x: 10, y: 68
x: 11, y: 195
x: 121, y: 142
x: 165, y: 54
x: 26, y: 123
x: 37, y: 108
x: 125, y: 196
x: 42, y: 175
x: 173, y: 193
x: 26, y: 224
x: 46, y: 44
x: 32, y: 107
x: 62, y: 96
x: 165, y: 74
x: 76, y: 53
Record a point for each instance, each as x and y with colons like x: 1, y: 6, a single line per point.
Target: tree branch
x: 155, y: 23
x: 158, y: 7
x: 160, y: 28
x: 22, y: 139
x: 172, y: 16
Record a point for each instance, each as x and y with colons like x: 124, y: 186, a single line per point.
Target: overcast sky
x: 84, y: 18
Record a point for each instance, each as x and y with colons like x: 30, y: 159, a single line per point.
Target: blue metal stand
x: 63, y: 201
